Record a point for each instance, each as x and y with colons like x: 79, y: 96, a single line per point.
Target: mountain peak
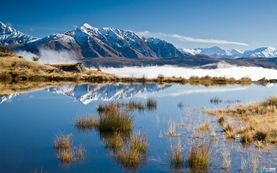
x: 10, y: 36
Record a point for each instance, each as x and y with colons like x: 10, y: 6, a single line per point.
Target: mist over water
x: 48, y: 56
x: 237, y: 72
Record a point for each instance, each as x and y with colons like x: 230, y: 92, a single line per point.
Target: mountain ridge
x: 215, y: 51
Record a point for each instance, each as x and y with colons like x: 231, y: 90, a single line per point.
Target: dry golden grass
x: 114, y: 141
x: 63, y: 142
x: 113, y: 119
x: 129, y: 158
x: 86, y: 123
x: 204, y: 127
x: 139, y: 143
x: 260, y: 120
x: 65, y: 156
x: 15, y: 69
x: 171, y: 132
x: 66, y: 153
x: 176, y: 157
x: 199, y: 156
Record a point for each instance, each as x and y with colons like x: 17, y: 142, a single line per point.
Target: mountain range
x: 263, y: 52
x: 89, y: 42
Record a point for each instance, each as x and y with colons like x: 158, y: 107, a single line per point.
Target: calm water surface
x: 30, y: 122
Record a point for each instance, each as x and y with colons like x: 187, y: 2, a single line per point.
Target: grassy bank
x: 259, y: 119
x: 18, y: 75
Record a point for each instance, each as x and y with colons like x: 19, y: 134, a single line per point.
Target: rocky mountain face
x: 90, y: 42
x: 11, y: 37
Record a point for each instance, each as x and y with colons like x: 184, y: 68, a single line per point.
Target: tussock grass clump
x: 65, y: 156
x: 85, y: 123
x: 114, y: 141
x: 115, y: 122
x: 66, y: 153
x: 63, y: 142
x: 151, y: 104
x: 176, y: 157
x: 198, y: 157
x: 129, y: 158
x: 139, y: 143
x: 113, y: 119
x: 204, y: 127
x: 229, y: 131
x: 246, y: 138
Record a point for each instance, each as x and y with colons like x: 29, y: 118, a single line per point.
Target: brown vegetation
x: 260, y: 121
x: 65, y: 151
x: 204, y: 127
x: 176, y: 157
x: 199, y: 156
x: 15, y: 70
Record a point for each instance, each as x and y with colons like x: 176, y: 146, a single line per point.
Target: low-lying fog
x: 255, y: 73
x: 47, y: 56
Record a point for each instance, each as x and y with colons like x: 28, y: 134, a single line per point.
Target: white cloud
x: 48, y: 56
x: 189, y: 39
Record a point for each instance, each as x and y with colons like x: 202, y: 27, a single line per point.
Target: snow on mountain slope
x: 263, y: 52
x: 10, y: 36
x: 90, y: 42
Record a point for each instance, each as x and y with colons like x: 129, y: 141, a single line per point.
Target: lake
x: 30, y: 123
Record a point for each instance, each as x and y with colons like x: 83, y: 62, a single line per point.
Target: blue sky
x: 242, y: 24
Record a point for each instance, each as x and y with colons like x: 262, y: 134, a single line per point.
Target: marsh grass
x: 63, y: 142
x: 129, y: 158
x: 112, y: 118
x: 65, y: 156
x: 114, y: 141
x: 199, y: 156
x: 171, y: 132
x: 86, y: 123
x: 176, y: 157
x: 66, y: 152
x: 133, y: 152
x: 139, y: 143
x: 204, y: 127
x: 260, y: 120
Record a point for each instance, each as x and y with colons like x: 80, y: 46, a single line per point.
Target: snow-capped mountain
x: 214, y: 52
x: 88, y: 93
x: 263, y: 52
x: 90, y: 42
x: 10, y: 36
